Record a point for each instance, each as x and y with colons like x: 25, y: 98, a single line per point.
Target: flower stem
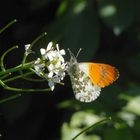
x: 17, y: 68
x: 33, y: 79
x: 9, y: 98
x: 17, y: 77
x: 22, y: 90
x: 5, y: 76
x: 94, y: 125
x: 8, y: 25
x: 30, y: 47
x: 3, y: 56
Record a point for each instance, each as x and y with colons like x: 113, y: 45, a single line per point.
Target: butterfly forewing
x: 100, y: 74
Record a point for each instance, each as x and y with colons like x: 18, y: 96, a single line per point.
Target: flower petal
x: 62, y: 52
x: 51, y: 85
x: 42, y: 51
x: 50, y: 75
x: 49, y: 56
x: 57, y: 47
x: 56, y: 79
x: 27, y: 46
x: 49, y: 46
x: 50, y: 67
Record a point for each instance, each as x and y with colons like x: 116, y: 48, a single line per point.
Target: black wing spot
x: 103, y: 72
x: 103, y: 75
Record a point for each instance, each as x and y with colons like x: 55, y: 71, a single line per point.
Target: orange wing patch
x: 102, y: 74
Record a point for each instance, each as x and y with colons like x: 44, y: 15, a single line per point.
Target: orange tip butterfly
x: 88, y: 78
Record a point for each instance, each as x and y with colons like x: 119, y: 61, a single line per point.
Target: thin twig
x: 3, y: 56
x: 22, y: 90
x: 8, y: 25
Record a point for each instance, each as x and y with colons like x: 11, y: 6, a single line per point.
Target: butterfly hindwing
x: 82, y: 85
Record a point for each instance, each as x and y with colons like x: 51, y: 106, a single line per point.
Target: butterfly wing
x: 100, y: 74
x: 82, y: 85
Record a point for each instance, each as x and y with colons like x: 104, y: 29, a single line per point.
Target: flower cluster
x: 51, y: 65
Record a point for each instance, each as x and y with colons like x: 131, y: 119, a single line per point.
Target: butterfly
x: 89, y: 78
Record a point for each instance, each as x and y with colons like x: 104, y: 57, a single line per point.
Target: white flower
x: 62, y: 52
x: 27, y: 47
x: 27, y: 51
x: 39, y: 66
x: 42, y: 51
x: 51, y: 85
x: 50, y: 75
x: 50, y: 67
x: 51, y: 64
x: 51, y: 55
x: 49, y: 47
x: 56, y: 79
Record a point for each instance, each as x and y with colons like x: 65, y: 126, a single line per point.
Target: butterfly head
x: 72, y: 64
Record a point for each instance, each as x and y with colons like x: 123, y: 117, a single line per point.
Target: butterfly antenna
x: 71, y: 54
x: 78, y: 52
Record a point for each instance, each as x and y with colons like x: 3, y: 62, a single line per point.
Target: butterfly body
x: 88, y: 78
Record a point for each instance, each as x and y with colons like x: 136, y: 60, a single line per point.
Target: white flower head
x: 51, y: 64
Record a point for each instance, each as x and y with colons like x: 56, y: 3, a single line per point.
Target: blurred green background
x: 108, y: 31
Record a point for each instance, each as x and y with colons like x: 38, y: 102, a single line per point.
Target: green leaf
x: 67, y: 104
x: 133, y: 105
x: 75, y: 131
x: 68, y: 133
x: 117, y: 14
x: 118, y: 134
x: 83, y: 119
x: 62, y: 7
x: 91, y: 126
x: 128, y: 117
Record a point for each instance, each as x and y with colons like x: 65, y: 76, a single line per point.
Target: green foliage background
x: 108, y: 31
